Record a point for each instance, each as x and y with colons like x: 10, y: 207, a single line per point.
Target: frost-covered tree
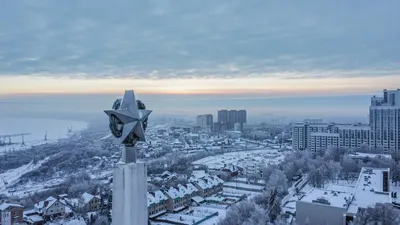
x: 349, y: 166
x: 290, y: 170
x: 316, y: 176
x: 244, y: 213
x: 380, y: 214
x: 277, y: 181
x: 275, y: 208
x: 395, y: 171
x: 258, y: 217
x: 101, y: 220
x: 335, y: 154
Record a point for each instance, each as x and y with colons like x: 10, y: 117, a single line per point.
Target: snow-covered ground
x: 68, y: 222
x: 11, y: 176
x: 55, y: 129
x: 243, y: 158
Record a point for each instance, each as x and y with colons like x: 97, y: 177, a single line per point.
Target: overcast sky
x: 199, y: 46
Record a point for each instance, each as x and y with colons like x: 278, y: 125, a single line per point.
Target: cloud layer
x: 160, y: 39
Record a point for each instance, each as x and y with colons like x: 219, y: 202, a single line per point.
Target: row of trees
x: 263, y: 209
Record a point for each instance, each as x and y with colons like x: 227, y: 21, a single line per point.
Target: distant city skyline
x: 345, y: 108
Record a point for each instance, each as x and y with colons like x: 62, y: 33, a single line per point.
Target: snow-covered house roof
x: 191, y: 188
x: 215, y: 180
x: 155, y: 197
x: 45, y: 204
x: 203, y: 183
x: 33, y: 218
x: 183, y: 190
x: 86, y: 197
x: 4, y: 206
x: 174, y: 193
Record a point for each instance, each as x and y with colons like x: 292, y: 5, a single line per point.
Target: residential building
x: 192, y: 190
x: 208, y: 186
x: 11, y: 214
x: 90, y: 202
x: 301, y: 134
x: 156, y: 203
x: 32, y: 217
x: 338, y: 205
x: 232, y: 118
x: 382, y: 132
x: 320, y: 136
x: 176, y: 201
x: 320, y: 141
x: 223, y: 116
x: 205, y: 122
x: 242, y: 116
x: 50, y: 207
x: 384, y: 119
x: 353, y: 136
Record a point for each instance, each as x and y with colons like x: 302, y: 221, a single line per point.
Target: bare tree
x: 380, y: 214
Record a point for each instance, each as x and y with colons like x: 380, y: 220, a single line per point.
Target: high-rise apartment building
x: 223, y: 116
x: 316, y: 136
x: 228, y: 118
x: 242, y: 116
x: 205, y: 121
x: 232, y: 118
x: 384, y: 119
x: 383, y: 131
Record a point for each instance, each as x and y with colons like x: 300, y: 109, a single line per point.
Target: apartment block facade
x: 382, y: 132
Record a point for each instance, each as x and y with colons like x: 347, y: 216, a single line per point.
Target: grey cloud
x: 201, y: 38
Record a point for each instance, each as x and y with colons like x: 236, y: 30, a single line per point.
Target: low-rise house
x: 50, y: 207
x: 208, y: 186
x: 32, y: 217
x: 11, y: 213
x: 185, y: 194
x: 192, y: 190
x: 90, y: 202
x: 203, y: 186
x: 175, y: 200
x: 156, y: 203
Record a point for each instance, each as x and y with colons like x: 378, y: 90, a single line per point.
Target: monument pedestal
x: 129, y: 205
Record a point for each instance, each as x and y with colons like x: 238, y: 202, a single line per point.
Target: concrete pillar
x: 129, y: 204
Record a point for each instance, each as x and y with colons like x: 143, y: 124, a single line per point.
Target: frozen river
x: 55, y: 129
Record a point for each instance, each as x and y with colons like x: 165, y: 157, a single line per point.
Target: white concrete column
x: 129, y: 205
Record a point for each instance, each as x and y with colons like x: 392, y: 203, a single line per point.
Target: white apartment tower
x: 384, y: 119
x: 205, y: 121
x: 383, y: 131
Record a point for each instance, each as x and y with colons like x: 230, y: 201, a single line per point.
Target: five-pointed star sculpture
x: 131, y: 117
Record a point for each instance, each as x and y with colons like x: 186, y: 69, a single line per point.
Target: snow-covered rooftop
x: 191, y: 188
x: 174, y: 193
x: 369, y: 189
x: 328, y: 197
x: 362, y: 155
x: 86, y: 197
x: 6, y: 205
x: 155, y: 197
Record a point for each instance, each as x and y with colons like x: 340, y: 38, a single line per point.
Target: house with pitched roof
x: 90, y: 202
x: 208, y: 186
x: 176, y: 200
x: 11, y: 213
x: 50, y: 207
x: 156, y: 203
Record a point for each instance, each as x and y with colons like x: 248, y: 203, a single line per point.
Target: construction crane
x: 9, y: 136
